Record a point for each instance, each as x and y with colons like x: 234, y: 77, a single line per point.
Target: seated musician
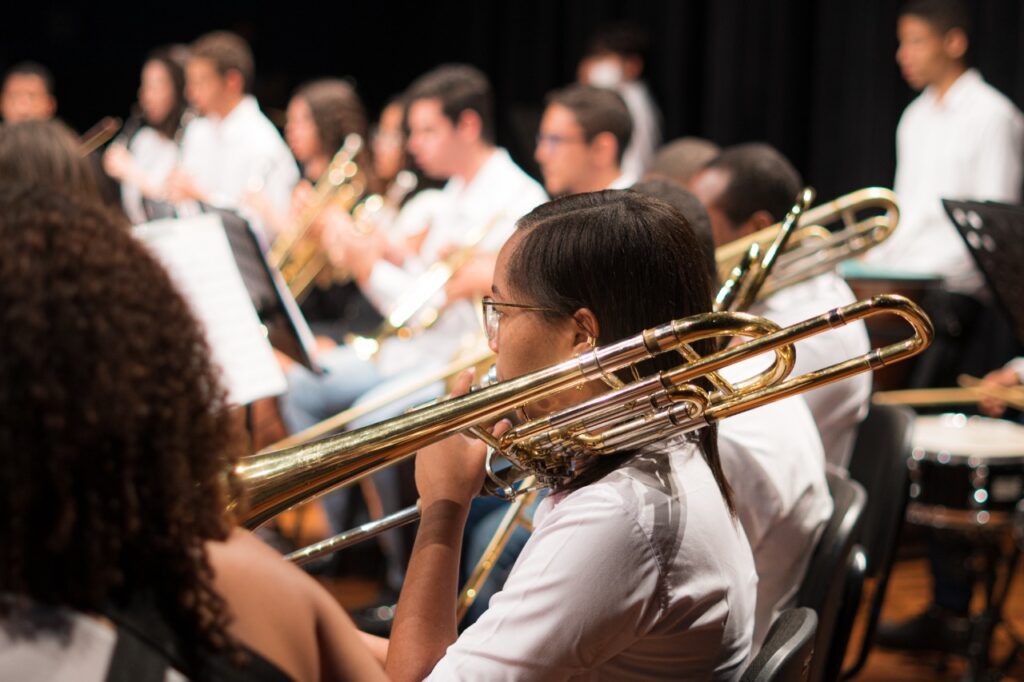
x: 27, y: 94
x: 121, y: 558
x: 680, y: 159
x: 749, y: 187
x: 637, y: 569
x: 146, y: 152
x: 583, y: 134
x: 232, y: 151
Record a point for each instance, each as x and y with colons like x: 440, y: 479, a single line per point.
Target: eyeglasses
x: 492, y: 316
x: 553, y: 140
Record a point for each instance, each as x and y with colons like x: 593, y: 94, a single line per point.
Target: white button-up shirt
x: 641, y: 575
x: 497, y: 196
x: 967, y: 145
x: 773, y: 459
x: 243, y: 152
x: 837, y: 408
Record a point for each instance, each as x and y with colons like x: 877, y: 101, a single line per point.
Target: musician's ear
x: 760, y: 220
x: 587, y: 330
x: 470, y: 124
x: 235, y: 81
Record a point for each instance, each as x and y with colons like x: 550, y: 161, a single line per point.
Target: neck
x: 314, y: 167
x: 228, y: 105
x: 600, y: 180
x: 943, y: 84
x: 475, y: 159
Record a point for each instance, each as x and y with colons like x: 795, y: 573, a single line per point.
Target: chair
x: 879, y: 463
x: 785, y: 655
x: 830, y: 573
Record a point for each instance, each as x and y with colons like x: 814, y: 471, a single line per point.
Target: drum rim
x: 946, y: 457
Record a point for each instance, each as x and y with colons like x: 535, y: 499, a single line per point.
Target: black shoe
x: 936, y: 629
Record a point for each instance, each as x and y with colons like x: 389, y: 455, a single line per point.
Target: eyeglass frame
x: 490, y: 312
x: 553, y: 140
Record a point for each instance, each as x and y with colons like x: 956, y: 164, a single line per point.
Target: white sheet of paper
x: 196, y: 253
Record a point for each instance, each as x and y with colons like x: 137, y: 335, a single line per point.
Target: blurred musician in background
x: 27, y: 93
x: 583, y: 135
x: 960, y: 139
x: 142, y: 157
x: 614, y: 59
x: 751, y: 186
x: 232, y: 151
x: 679, y: 160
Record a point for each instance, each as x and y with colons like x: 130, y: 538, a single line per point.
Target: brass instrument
x: 552, y: 448
x: 812, y: 248
x: 98, y: 135
x: 300, y: 257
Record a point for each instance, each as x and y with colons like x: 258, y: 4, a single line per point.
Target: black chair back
x: 825, y: 584
x: 786, y: 653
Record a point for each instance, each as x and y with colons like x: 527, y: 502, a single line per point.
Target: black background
x: 816, y: 79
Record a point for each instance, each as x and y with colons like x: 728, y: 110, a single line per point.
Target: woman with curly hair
x: 120, y: 554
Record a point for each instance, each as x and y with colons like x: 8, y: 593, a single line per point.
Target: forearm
x: 425, y: 624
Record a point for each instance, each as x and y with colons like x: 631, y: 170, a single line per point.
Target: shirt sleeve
x: 586, y: 586
x: 999, y: 171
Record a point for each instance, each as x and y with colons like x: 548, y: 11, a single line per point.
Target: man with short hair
x: 233, y: 151
x: 27, y: 94
x: 679, y: 160
x: 583, y: 135
x: 749, y: 187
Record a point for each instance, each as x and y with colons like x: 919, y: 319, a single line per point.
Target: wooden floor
x: 909, y: 593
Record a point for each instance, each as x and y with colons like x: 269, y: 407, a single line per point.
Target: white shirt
x: 156, y: 156
x: 646, y: 138
x: 839, y: 407
x: 83, y: 657
x: 968, y: 145
x: 241, y: 153
x: 773, y: 459
x: 498, y: 195
x: 641, y: 575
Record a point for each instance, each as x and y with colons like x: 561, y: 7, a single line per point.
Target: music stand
x: 994, y: 234
x: 287, y: 329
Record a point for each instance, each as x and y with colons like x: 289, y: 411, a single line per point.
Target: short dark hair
x: 690, y: 207
x: 624, y: 39
x: 680, y: 159
x: 597, y: 110
x: 943, y: 15
x: 117, y: 445
x: 576, y: 251
x: 336, y: 110
x: 32, y: 69
x: 459, y: 88
x: 229, y: 52
x: 46, y: 154
x: 760, y: 179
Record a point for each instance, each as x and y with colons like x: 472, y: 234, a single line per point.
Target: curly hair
x: 115, y: 438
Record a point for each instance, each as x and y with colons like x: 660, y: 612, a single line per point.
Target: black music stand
x: 994, y: 234
x: 287, y: 329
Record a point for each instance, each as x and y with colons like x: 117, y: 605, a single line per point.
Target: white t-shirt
x: 243, y: 152
x: 156, y: 156
x: 498, y: 195
x: 641, y: 575
x: 646, y: 138
x: 968, y: 145
x: 773, y: 459
x: 840, y: 407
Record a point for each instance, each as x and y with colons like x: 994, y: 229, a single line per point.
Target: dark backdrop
x: 815, y: 78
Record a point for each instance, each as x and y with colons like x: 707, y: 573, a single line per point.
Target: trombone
x: 813, y: 249
x: 553, y: 448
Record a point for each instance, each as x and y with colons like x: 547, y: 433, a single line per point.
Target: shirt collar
x: 959, y: 92
x: 245, y: 107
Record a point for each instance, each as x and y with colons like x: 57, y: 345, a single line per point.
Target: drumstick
x: 927, y: 397
x: 1011, y: 395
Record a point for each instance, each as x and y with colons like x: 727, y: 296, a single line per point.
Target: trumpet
x: 298, y: 256
x: 812, y: 248
x: 555, y: 448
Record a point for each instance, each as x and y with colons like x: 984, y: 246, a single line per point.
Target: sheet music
x: 196, y: 253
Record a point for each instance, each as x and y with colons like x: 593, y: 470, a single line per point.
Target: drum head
x: 956, y: 438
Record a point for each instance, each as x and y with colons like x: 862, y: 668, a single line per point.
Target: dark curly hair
x: 115, y: 438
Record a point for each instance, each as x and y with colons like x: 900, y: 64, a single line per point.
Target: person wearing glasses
x: 583, y: 134
x: 637, y: 568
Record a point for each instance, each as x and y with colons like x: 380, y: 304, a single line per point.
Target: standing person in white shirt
x: 615, y: 59
x: 749, y: 187
x: 233, y: 150
x: 959, y: 139
x: 583, y: 134
x: 636, y: 570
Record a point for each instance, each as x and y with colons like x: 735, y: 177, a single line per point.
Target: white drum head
x: 957, y: 438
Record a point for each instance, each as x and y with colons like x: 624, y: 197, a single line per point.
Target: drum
x: 965, y: 472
